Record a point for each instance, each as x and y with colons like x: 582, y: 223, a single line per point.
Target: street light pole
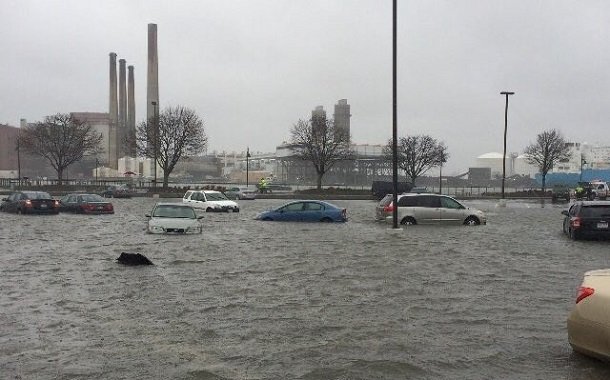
x: 155, y: 127
x: 505, y: 93
x: 394, y: 117
x: 247, y: 166
x: 97, y: 164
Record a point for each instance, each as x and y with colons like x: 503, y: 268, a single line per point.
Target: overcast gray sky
x: 251, y: 69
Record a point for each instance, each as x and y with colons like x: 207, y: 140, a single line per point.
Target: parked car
x: 305, y: 211
x: 589, y: 320
x: 117, y: 191
x: 85, y: 204
x: 427, y: 208
x: 587, y: 219
x: 599, y: 189
x: 241, y: 193
x: 210, y: 201
x: 560, y: 193
x: 173, y: 218
x: 30, y: 202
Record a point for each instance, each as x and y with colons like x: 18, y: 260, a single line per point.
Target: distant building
x: 100, y: 121
x: 8, y: 151
x: 342, y: 116
x: 318, y: 112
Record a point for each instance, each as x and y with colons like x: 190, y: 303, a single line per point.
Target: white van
x: 210, y: 201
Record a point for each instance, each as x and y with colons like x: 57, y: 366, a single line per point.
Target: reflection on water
x: 268, y: 300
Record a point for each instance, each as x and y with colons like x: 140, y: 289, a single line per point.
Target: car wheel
x: 267, y: 219
x: 20, y: 211
x: 573, y: 234
x: 408, y: 221
x: 472, y: 221
x: 209, y: 209
x: 326, y: 220
x: 235, y: 210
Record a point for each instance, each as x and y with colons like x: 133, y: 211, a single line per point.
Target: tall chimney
x: 152, y: 79
x: 113, y: 117
x: 131, y: 113
x: 122, y: 110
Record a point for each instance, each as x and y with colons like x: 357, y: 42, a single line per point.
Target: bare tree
x: 418, y: 154
x: 323, y: 144
x: 60, y: 139
x: 550, y: 148
x: 176, y: 134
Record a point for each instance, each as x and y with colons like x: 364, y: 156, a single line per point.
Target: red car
x: 85, y: 204
x: 30, y: 202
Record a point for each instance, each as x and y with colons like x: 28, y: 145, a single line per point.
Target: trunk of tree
x: 319, y: 180
x: 165, y: 179
x: 543, y: 184
x: 60, y: 175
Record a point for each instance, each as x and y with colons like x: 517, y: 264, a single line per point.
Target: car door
x: 291, y: 212
x: 312, y: 212
x: 428, y: 210
x: 452, y: 212
x: 13, y: 202
x: 68, y: 203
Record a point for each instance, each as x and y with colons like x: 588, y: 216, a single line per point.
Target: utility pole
x: 394, y: 122
x: 247, y: 166
x: 505, y: 93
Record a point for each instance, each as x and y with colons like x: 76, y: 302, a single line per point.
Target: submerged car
x: 173, y: 218
x: 305, y: 211
x: 587, y: 219
x: 427, y: 208
x: 30, y: 202
x: 117, y: 191
x: 210, y: 201
x: 241, y: 193
x: 85, y: 204
x: 589, y: 320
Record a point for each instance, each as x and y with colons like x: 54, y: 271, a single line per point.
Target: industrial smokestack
x: 121, y: 131
x: 113, y: 116
x: 131, y: 113
x: 152, y: 79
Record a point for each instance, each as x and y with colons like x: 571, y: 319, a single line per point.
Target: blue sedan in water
x: 306, y: 211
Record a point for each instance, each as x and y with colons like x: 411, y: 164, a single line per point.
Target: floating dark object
x: 133, y: 259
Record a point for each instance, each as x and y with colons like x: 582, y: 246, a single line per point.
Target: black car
x: 30, y: 202
x: 117, y: 192
x: 587, y: 219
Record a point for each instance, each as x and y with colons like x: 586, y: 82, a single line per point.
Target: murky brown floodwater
x: 268, y: 300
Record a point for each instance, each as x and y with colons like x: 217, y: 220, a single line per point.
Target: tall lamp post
x: 97, y: 164
x: 155, y: 127
x: 247, y: 166
x: 506, y: 94
x: 394, y: 121
x: 19, y: 158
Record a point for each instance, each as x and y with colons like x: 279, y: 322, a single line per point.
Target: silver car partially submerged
x: 173, y: 218
x: 428, y: 208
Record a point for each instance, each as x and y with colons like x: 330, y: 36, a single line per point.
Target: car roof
x: 173, y: 204
x: 594, y: 203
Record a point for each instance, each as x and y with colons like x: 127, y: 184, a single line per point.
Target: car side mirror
x: 565, y: 212
x: 5, y: 199
x: 200, y: 217
x: 147, y: 215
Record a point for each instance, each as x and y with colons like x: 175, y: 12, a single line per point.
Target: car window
x: 385, y: 201
x: 310, y: 206
x: 91, y: 198
x: 294, y: 207
x: 573, y: 209
x: 407, y: 202
x: 450, y: 203
x: 595, y: 211
x: 188, y: 193
x: 428, y: 201
x: 216, y: 197
x: 174, y: 212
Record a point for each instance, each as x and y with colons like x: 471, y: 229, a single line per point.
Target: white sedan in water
x: 589, y: 321
x: 173, y: 218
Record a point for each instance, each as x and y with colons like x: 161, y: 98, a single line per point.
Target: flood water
x: 270, y: 300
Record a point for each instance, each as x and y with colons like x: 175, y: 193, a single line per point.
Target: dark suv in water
x: 587, y: 219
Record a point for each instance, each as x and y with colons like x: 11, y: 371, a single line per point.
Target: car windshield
x: 174, y: 212
x: 216, y: 197
x: 596, y: 211
x: 92, y: 198
x: 37, y: 195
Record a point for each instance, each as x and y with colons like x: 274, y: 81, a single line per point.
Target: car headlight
x: 156, y: 229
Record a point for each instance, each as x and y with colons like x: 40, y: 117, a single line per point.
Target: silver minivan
x: 428, y: 209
